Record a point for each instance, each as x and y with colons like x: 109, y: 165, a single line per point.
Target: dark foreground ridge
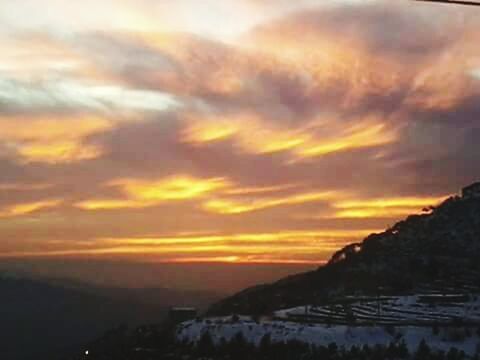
x: 436, y: 250
x: 50, y: 318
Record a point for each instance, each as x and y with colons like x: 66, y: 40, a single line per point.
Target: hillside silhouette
x: 434, y: 251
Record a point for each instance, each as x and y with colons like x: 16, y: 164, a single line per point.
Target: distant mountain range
x: 435, y: 251
x: 42, y: 319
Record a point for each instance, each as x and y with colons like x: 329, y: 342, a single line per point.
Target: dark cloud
x: 386, y: 29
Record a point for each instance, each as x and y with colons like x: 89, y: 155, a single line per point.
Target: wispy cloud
x: 27, y: 208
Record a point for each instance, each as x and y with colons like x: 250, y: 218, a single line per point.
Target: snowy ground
x: 396, y: 310
x: 319, y: 334
x: 377, y: 321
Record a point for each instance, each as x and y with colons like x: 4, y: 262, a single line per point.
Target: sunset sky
x: 228, y: 131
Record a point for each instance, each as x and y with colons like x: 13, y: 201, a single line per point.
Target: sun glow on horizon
x: 303, y: 246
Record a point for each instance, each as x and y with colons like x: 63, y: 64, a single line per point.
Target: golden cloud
x: 52, y: 140
x: 209, y: 131
x: 302, y: 246
x: 313, y: 139
x: 144, y: 193
x: 173, y: 188
x: 109, y: 204
x: 230, y: 207
x: 26, y: 208
x: 387, y: 207
x: 355, y: 137
x: 248, y: 238
x: 259, y: 189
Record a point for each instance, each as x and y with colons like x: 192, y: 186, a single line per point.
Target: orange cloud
x: 109, y: 204
x: 387, y: 207
x: 230, y: 207
x: 249, y: 132
x: 375, y: 213
x: 173, y: 188
x: 302, y: 246
x: 252, y: 238
x: 26, y: 208
x: 355, y: 137
x: 204, y: 132
x: 52, y: 140
x: 259, y: 189
x: 310, y: 140
x: 147, y: 193
x: 144, y: 193
x: 248, y: 259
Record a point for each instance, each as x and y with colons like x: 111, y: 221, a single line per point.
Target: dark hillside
x: 436, y: 250
x: 44, y: 319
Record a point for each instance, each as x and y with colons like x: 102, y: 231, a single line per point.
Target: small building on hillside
x: 471, y: 191
x: 181, y: 314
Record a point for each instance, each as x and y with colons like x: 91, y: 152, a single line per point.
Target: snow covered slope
x: 443, y: 320
x: 430, y: 309
x: 320, y: 334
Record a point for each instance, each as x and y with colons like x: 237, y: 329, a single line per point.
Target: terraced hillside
x: 442, y: 320
x: 415, y: 310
